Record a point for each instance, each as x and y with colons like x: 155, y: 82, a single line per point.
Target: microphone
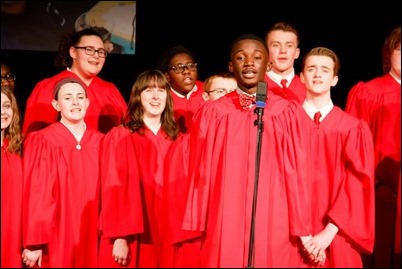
x: 261, y: 97
x: 260, y: 102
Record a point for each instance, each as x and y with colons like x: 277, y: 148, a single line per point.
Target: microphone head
x: 261, y: 97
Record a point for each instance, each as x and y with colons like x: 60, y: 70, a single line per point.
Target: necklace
x: 76, y: 136
x: 78, y: 139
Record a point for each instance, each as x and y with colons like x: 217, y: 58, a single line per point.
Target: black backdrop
x: 355, y: 34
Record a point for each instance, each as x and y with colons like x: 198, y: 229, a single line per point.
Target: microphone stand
x: 259, y: 110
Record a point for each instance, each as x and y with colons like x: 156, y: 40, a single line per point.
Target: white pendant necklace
x: 78, y: 139
x: 77, y: 136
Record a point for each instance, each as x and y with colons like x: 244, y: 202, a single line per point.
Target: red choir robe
x: 342, y: 186
x: 61, y: 195
x: 184, y: 108
x: 398, y: 221
x: 106, y: 110
x: 132, y: 183
x: 295, y: 91
x: 11, y: 208
x: 379, y: 103
x: 177, y: 252
x: 222, y: 168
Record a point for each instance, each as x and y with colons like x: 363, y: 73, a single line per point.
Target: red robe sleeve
x: 177, y: 251
x: 353, y: 211
x: 175, y: 188
x: 122, y: 212
x: 41, y: 189
x: 397, y: 248
x: 11, y: 209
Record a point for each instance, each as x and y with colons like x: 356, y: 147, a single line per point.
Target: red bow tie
x: 246, y: 100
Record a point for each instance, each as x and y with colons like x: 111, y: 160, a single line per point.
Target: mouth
x: 249, y: 73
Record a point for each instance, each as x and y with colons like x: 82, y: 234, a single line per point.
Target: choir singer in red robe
x: 61, y: 185
x: 222, y: 172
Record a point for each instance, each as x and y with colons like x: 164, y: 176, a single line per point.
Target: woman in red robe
x: 62, y: 186
x: 378, y: 102
x: 132, y: 167
x: 83, y: 55
x: 11, y: 181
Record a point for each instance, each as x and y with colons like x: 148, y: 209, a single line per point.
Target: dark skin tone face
x: 4, y: 71
x: 249, y: 60
x: 182, y: 82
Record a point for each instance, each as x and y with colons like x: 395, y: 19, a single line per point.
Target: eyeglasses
x: 91, y: 51
x: 9, y: 78
x: 219, y: 91
x: 180, y: 68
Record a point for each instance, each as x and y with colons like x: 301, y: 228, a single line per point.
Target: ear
x: 55, y: 104
x: 230, y: 67
x: 334, y: 81
x: 302, y: 77
x: 205, y: 96
x: 167, y: 77
x: 297, y: 54
x: 73, y: 52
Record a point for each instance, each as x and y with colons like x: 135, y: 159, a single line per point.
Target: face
x: 220, y: 87
x: 153, y: 99
x: 318, y: 75
x: 283, y: 51
x: 184, y: 81
x: 72, y: 102
x: 249, y: 60
x: 5, y: 72
x: 6, y: 111
x: 395, y: 62
x: 87, y: 65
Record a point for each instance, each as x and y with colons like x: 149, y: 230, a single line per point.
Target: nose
x: 249, y: 61
x: 75, y: 101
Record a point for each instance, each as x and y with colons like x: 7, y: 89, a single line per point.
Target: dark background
x: 208, y: 28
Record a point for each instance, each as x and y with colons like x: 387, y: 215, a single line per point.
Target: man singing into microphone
x: 222, y: 172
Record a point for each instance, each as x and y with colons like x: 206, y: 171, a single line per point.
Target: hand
x: 316, y: 246
x: 31, y: 257
x: 121, y: 251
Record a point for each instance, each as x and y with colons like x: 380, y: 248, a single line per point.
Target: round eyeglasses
x: 91, y: 51
x: 9, y: 78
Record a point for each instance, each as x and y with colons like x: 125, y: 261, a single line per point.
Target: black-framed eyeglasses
x: 180, y: 67
x: 8, y: 77
x: 91, y: 51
